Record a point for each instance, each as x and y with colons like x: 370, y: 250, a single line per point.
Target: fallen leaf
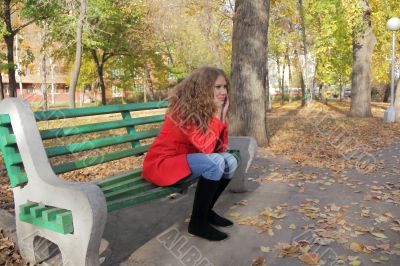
x: 379, y: 235
x: 265, y: 249
x: 356, y: 247
x: 355, y: 263
x: 234, y: 214
x: 310, y: 258
x: 259, y: 261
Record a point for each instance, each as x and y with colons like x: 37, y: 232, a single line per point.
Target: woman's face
x: 220, y: 91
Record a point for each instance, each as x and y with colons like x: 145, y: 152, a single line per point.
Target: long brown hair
x: 192, y: 100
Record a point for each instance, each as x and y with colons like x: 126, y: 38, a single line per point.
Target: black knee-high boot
x: 199, y: 224
x: 213, y: 217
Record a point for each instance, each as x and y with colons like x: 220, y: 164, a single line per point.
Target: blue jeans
x: 212, y: 166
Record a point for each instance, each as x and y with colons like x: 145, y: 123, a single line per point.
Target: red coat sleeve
x: 222, y: 143
x: 210, y: 141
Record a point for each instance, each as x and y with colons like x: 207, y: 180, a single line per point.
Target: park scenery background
x: 323, y: 86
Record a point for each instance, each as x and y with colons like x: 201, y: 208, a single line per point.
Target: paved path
x: 306, y: 203
x: 347, y: 213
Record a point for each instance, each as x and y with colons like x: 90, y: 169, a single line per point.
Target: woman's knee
x: 231, y: 165
x: 217, y: 167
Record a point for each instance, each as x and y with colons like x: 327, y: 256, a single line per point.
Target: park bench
x: 73, y: 215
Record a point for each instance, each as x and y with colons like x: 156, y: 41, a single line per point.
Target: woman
x: 192, y: 143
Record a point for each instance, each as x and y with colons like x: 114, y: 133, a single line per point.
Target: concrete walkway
x: 304, y: 202
x: 170, y: 244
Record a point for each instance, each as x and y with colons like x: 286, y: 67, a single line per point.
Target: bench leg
x: 77, y: 249
x: 26, y: 246
x: 248, y: 148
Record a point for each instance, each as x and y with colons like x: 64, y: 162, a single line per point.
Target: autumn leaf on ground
x: 379, y: 235
x: 286, y: 249
x: 310, y: 258
x: 357, y: 247
x: 259, y: 261
x: 265, y: 249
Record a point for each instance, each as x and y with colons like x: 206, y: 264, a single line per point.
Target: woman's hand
x: 225, y: 107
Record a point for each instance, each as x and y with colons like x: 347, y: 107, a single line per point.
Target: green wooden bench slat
x: 129, y: 191
x: 98, y: 143
x: 131, y: 130
x: 8, y: 140
x: 51, y: 214
x: 123, y: 184
x: 5, y: 120
x: 12, y: 161
x: 119, y: 178
x: 89, y: 111
x: 51, y: 218
x: 79, y: 164
x: 95, y: 127
x: 25, y: 208
x: 36, y: 212
x: 156, y: 193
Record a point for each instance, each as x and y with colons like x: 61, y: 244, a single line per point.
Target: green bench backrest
x: 71, y: 139
x: 11, y: 156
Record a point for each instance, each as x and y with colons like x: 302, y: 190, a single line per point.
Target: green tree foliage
x: 15, y: 16
x: 332, y: 42
x: 193, y: 33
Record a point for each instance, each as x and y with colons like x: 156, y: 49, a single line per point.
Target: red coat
x: 165, y: 162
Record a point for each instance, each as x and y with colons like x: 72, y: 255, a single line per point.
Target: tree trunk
x: 304, y: 38
x: 386, y: 94
x: 102, y: 84
x: 12, y: 83
x: 290, y: 77
x: 268, y: 101
x: 363, y: 47
x: 283, y: 83
x: 249, y: 57
x: 78, y: 55
x: 1, y: 87
x: 43, y: 70
x: 100, y: 77
x: 303, y: 89
x: 340, y: 89
x: 9, y: 40
x: 302, y: 84
x: 397, y: 100
x: 18, y: 70
x: 278, y: 66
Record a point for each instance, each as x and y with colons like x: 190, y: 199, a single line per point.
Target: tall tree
x: 363, y: 45
x: 249, y: 58
x: 116, y: 29
x: 16, y: 15
x: 304, y: 40
x: 78, y: 54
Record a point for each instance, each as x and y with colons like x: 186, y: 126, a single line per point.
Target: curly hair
x: 192, y: 100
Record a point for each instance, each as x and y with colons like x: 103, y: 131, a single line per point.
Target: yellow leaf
x: 367, y: 197
x: 379, y: 235
x: 292, y: 226
x: 355, y: 263
x: 278, y: 226
x: 234, y: 214
x: 310, y: 258
x: 265, y: 249
x: 356, y: 247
